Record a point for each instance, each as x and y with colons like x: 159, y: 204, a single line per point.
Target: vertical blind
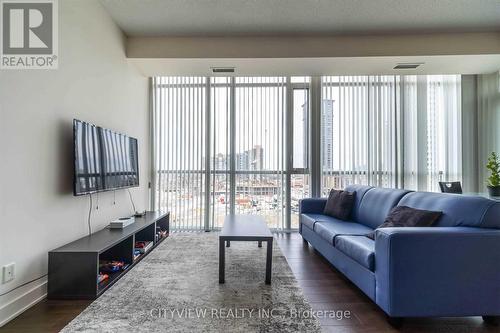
x: 179, y: 141
x: 414, y: 131
x: 358, y: 131
x: 444, y: 130
x: 218, y: 152
x: 260, y: 115
x: 219, y: 147
x: 390, y: 131
x: 432, y: 131
x: 240, y: 144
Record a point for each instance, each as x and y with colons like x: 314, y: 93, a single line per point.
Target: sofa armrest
x: 438, y: 271
x: 312, y: 205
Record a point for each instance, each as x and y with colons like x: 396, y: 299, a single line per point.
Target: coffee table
x: 245, y: 228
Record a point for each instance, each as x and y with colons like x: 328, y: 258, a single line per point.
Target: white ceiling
x: 291, y: 17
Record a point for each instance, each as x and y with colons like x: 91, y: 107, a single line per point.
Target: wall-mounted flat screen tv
x: 104, y: 160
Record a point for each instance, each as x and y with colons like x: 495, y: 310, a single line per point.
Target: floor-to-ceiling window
x: 230, y: 145
x: 390, y: 131
x: 241, y: 145
x: 260, y: 149
x: 359, y: 131
x: 299, y: 158
x: 218, y: 170
x: 432, y: 138
x: 179, y: 147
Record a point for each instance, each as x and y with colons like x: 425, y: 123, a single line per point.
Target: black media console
x: 74, y: 268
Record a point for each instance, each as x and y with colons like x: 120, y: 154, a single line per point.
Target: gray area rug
x: 176, y: 289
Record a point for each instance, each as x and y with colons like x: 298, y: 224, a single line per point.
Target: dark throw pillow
x: 339, y: 204
x: 402, y: 216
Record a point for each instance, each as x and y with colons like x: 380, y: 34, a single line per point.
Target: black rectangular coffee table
x: 246, y: 228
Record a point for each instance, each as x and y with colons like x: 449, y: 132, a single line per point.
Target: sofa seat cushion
x: 310, y: 219
x: 329, y: 228
x: 359, y: 248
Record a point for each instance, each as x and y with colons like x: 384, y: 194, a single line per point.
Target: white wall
x: 470, y: 180
x: 488, y: 109
x: 95, y: 83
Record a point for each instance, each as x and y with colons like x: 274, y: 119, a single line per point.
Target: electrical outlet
x: 8, y: 272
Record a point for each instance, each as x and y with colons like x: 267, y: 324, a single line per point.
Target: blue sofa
x: 450, y: 269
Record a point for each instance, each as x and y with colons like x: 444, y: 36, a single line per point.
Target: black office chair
x: 451, y: 187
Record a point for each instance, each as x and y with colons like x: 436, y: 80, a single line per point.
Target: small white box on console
x: 122, y: 222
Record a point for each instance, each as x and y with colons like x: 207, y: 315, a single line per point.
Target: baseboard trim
x: 22, y: 303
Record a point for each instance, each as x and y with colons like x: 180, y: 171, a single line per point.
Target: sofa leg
x: 304, y: 241
x: 492, y: 320
x: 395, y: 322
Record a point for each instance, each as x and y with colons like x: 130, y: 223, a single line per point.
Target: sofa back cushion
x: 403, y: 216
x: 360, y: 191
x: 376, y: 205
x: 491, y: 218
x: 339, y: 204
x: 458, y: 210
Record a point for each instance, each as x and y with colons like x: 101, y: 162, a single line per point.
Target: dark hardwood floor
x: 46, y: 316
x: 323, y: 286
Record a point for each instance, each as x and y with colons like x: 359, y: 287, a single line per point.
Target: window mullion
x: 232, y: 148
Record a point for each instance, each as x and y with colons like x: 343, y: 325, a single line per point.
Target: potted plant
x: 493, y: 166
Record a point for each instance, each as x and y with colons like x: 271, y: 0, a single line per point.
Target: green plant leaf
x: 493, y: 165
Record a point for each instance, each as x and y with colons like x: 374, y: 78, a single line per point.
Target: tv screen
x: 104, y: 160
